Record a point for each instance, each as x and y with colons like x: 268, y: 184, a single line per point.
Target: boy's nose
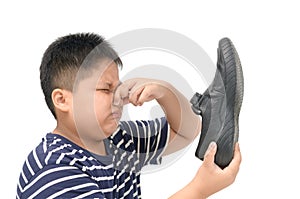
x: 117, y: 101
x: 120, y: 95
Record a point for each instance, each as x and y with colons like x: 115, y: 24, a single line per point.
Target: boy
x: 90, y: 153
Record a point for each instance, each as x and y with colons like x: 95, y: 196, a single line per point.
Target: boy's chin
x: 111, y: 130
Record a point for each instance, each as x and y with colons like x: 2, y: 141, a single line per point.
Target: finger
x: 124, y: 90
x: 237, y: 154
x: 145, y: 96
x: 121, y: 94
x: 236, y: 161
x: 135, y: 95
x: 209, y: 156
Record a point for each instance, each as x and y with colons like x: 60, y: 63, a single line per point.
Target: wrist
x: 198, y: 189
x: 164, y: 90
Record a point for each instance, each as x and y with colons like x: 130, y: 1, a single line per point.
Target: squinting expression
x: 108, y: 114
x: 94, y: 113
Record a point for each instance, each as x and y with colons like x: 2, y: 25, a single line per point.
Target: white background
x: 265, y: 33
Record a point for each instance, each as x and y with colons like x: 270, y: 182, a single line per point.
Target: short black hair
x: 64, y: 57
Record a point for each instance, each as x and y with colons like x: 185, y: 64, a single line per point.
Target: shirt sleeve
x: 60, y: 182
x: 150, y: 139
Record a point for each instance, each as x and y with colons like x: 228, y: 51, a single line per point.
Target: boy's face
x: 94, y: 114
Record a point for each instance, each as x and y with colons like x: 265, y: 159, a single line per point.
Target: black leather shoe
x: 220, y: 105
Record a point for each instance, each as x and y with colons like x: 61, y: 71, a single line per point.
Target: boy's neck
x: 96, y: 147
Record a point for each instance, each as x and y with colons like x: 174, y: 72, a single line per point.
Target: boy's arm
x: 184, y: 124
x: 210, y: 178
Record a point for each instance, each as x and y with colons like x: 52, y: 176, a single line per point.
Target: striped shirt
x: 58, y: 168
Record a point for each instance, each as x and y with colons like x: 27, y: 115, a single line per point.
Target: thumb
x: 209, y: 156
x: 120, y: 93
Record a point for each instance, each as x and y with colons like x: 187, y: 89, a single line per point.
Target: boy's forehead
x: 102, y: 71
x: 106, y: 72
x: 109, y: 73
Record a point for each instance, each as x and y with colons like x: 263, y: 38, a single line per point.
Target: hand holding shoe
x: 210, y: 178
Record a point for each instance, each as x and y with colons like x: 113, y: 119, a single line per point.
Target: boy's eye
x: 105, y: 90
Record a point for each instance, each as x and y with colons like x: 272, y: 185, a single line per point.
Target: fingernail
x: 116, y: 102
x: 212, y: 146
x: 238, y: 146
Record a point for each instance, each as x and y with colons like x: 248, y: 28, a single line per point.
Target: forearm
x: 190, y: 191
x: 179, y: 113
x: 183, y: 122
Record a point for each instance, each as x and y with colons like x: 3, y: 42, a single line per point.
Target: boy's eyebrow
x: 110, y: 83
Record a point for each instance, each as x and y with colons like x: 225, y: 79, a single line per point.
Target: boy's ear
x: 62, y: 99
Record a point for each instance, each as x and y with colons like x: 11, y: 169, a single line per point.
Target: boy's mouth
x: 116, y: 115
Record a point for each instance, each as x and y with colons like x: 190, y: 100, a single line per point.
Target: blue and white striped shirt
x: 58, y: 168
